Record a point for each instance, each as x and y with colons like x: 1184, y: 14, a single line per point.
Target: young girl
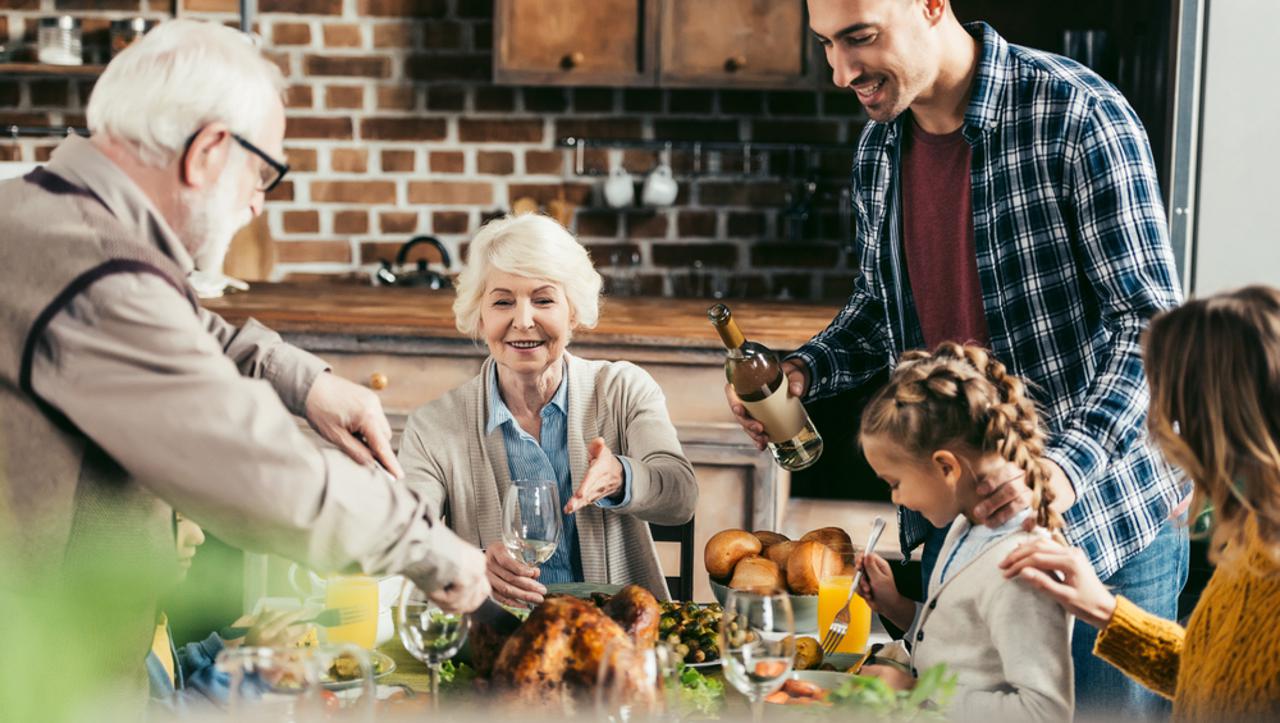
x: 1214, y: 370
x: 944, y: 421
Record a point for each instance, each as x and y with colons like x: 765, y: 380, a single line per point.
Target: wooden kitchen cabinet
x: 570, y: 42
x: 667, y: 43
x: 725, y: 43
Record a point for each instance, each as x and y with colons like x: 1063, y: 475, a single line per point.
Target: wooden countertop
x: 319, y: 309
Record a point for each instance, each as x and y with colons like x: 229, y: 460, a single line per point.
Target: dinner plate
x: 582, y: 589
x: 382, y: 664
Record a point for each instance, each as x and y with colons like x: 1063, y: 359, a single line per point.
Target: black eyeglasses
x: 271, y: 172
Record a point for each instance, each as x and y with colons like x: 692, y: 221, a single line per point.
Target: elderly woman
x: 600, y: 429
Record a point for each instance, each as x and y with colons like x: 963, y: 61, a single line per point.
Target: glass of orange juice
x: 357, y: 597
x: 832, y: 592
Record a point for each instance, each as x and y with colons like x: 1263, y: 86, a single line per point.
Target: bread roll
x: 833, y: 537
x: 726, y: 548
x: 768, y: 538
x: 779, y: 553
x: 757, y: 573
x: 811, y: 562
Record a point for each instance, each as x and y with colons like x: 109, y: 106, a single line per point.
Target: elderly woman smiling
x: 600, y: 429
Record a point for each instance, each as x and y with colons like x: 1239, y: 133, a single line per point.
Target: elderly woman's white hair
x: 535, y: 247
x: 183, y: 75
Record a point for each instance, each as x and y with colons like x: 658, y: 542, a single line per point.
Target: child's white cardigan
x: 1009, y: 646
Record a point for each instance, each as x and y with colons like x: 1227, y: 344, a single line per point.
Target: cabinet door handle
x: 378, y: 381
x: 572, y: 60
x: 736, y: 63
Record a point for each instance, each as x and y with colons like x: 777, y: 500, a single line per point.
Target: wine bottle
x: 756, y: 375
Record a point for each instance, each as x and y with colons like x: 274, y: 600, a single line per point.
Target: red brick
x: 482, y: 36
x: 10, y: 152
x: 750, y: 225
x: 546, y: 100
x: 613, y: 255
x: 450, y: 222
x: 301, y: 159
x: 211, y: 6
x: 369, y: 192
x: 292, y: 252
x: 796, y: 286
x: 373, y: 251
x: 472, y: 130
x: 793, y: 102
x: 437, y: 67
x: 300, y: 7
x: 696, y: 223
x: 697, y: 130
x: 343, y: 36
x: 818, y: 256
x: 351, y: 66
x: 575, y: 193
x: 398, y: 221
x: 85, y: 90
x: 594, y: 100
x: 844, y: 103
x: 602, y: 224
x: 642, y: 100
x: 403, y: 8
x: 301, y: 222
x: 45, y: 93
x: 398, y: 161
x: 99, y: 5
x: 397, y: 97
x: 403, y: 129
x: 44, y: 153
x: 291, y: 34
x: 446, y: 97
x: 450, y: 192
x: 10, y: 93
x: 475, y: 9
x: 683, y: 255
x: 447, y: 162
x: 690, y: 101
x: 798, y: 131
x: 646, y: 224
x: 349, y: 222
x: 311, y: 127
x: 595, y: 160
x: 723, y: 193
x: 495, y: 99
x: 838, y: 286
x: 281, y: 60
x: 742, y: 102
x: 349, y: 160
x: 18, y: 5
x: 393, y: 35
x: 543, y: 162
x: 498, y: 163
x: 298, y: 96
x: 443, y: 35
x: 282, y: 192
x: 639, y: 161
x: 344, y: 96
x: 598, y: 128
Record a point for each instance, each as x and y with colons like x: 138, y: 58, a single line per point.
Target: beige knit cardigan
x: 462, y: 473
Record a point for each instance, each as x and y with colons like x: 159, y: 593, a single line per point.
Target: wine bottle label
x: 782, y: 415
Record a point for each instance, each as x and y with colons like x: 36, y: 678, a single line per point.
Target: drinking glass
x: 531, y: 520
x: 757, y: 644
x: 271, y: 683
x: 429, y: 633
x: 832, y: 592
x: 356, y: 596
x: 637, y: 684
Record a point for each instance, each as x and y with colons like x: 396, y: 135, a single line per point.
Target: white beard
x: 213, y: 222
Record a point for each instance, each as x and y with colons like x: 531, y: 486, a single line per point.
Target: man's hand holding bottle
x: 797, y: 384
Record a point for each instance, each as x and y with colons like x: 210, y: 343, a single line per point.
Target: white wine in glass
x: 531, y: 520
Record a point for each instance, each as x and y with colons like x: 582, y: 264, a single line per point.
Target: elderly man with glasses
x: 121, y: 398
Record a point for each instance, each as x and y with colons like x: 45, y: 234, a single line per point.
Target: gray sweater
x: 462, y: 473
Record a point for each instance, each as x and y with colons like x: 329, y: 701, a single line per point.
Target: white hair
x: 183, y: 75
x: 533, y: 246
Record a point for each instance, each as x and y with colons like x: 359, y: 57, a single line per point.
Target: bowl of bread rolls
x: 767, y: 561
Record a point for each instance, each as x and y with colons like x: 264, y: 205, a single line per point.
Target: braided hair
x: 963, y: 394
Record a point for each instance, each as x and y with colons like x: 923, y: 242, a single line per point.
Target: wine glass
x: 531, y: 520
x: 270, y: 683
x: 637, y: 683
x: 429, y: 633
x: 757, y: 644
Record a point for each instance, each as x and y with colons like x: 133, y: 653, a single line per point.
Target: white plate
x: 385, y: 665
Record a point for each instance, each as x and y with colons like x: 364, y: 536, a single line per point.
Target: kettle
x: 422, y: 276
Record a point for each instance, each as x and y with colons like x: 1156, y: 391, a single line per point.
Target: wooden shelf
x: 45, y: 69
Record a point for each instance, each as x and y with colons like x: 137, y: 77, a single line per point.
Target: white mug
x: 619, y: 190
x: 660, y: 189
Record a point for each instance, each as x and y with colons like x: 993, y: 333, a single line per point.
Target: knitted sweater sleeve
x: 1146, y: 647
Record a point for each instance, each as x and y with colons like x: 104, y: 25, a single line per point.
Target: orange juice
x: 357, y: 597
x: 831, y: 594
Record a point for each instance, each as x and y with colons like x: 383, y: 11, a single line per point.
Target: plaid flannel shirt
x: 1073, y: 259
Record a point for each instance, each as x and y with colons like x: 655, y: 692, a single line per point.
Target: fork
x: 328, y: 618
x: 840, y: 625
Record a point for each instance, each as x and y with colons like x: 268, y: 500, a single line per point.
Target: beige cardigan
x: 462, y: 473
x: 1009, y: 647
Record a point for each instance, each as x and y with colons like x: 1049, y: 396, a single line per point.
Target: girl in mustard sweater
x: 1214, y: 370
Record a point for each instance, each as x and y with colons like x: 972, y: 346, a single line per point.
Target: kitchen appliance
x: 422, y: 276
x: 58, y: 41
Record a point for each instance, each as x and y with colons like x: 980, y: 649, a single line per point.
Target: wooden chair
x: 681, y: 586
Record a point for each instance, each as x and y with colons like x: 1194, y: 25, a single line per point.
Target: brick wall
x: 395, y: 128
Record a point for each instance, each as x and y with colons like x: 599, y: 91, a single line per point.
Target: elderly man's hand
x: 604, y: 477
x: 351, y: 417
x: 469, y: 588
x: 797, y: 384
x: 1004, y: 493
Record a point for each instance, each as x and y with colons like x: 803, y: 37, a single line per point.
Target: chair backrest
x: 681, y: 586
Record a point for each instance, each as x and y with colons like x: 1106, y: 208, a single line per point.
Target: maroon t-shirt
x: 937, y: 235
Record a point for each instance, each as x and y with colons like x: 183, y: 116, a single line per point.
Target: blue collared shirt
x: 1073, y: 259
x: 548, y: 458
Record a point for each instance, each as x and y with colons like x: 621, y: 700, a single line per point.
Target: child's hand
x: 270, y: 628
x: 881, y: 593
x: 895, y: 677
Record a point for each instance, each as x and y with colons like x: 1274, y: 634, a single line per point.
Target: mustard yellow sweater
x: 1226, y: 663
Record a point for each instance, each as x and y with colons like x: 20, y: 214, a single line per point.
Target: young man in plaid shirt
x: 1007, y: 197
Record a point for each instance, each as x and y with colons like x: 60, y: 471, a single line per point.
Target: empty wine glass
x: 531, y: 520
x: 270, y: 683
x: 429, y: 633
x: 637, y: 683
x: 757, y: 644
